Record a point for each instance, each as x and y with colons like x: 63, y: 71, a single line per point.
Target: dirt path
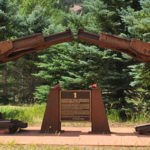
x: 121, y: 136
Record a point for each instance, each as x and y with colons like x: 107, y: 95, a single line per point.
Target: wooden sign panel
x: 75, y: 105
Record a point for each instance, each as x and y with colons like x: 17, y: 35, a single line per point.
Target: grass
x: 12, y: 146
x: 135, y: 119
x: 33, y: 114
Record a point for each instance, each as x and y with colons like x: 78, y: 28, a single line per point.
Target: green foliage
x: 113, y: 115
x: 73, y: 65
x: 8, y: 19
x: 27, y: 6
x: 41, y: 93
x: 69, y: 65
x: 137, y: 25
x: 19, y: 79
x: 106, y: 14
x: 84, y: 68
x: 115, y: 81
x: 8, y: 30
x: 32, y: 114
x: 36, y: 21
x: 137, y: 21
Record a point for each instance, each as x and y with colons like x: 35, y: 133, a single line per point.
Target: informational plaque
x: 75, y: 105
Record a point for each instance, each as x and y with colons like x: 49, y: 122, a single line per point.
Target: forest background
x: 124, y: 82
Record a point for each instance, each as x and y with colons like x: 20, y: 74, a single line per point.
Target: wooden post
x: 99, y: 118
x: 51, y: 121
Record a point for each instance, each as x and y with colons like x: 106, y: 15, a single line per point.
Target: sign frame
x: 75, y: 97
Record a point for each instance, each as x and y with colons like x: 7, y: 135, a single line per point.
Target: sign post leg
x: 99, y: 118
x: 51, y: 121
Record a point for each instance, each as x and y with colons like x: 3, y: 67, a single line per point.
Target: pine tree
x: 116, y: 80
x: 8, y: 30
x: 137, y: 23
x: 73, y: 65
x: 22, y: 70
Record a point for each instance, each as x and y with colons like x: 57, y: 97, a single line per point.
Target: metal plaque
x: 75, y: 105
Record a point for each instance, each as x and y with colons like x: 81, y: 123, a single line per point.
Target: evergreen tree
x: 73, y: 65
x: 116, y: 80
x: 8, y: 30
x: 137, y: 23
x: 22, y: 70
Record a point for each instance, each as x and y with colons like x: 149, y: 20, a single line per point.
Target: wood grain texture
x: 75, y: 105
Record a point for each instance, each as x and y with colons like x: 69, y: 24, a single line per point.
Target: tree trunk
x: 4, y: 81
